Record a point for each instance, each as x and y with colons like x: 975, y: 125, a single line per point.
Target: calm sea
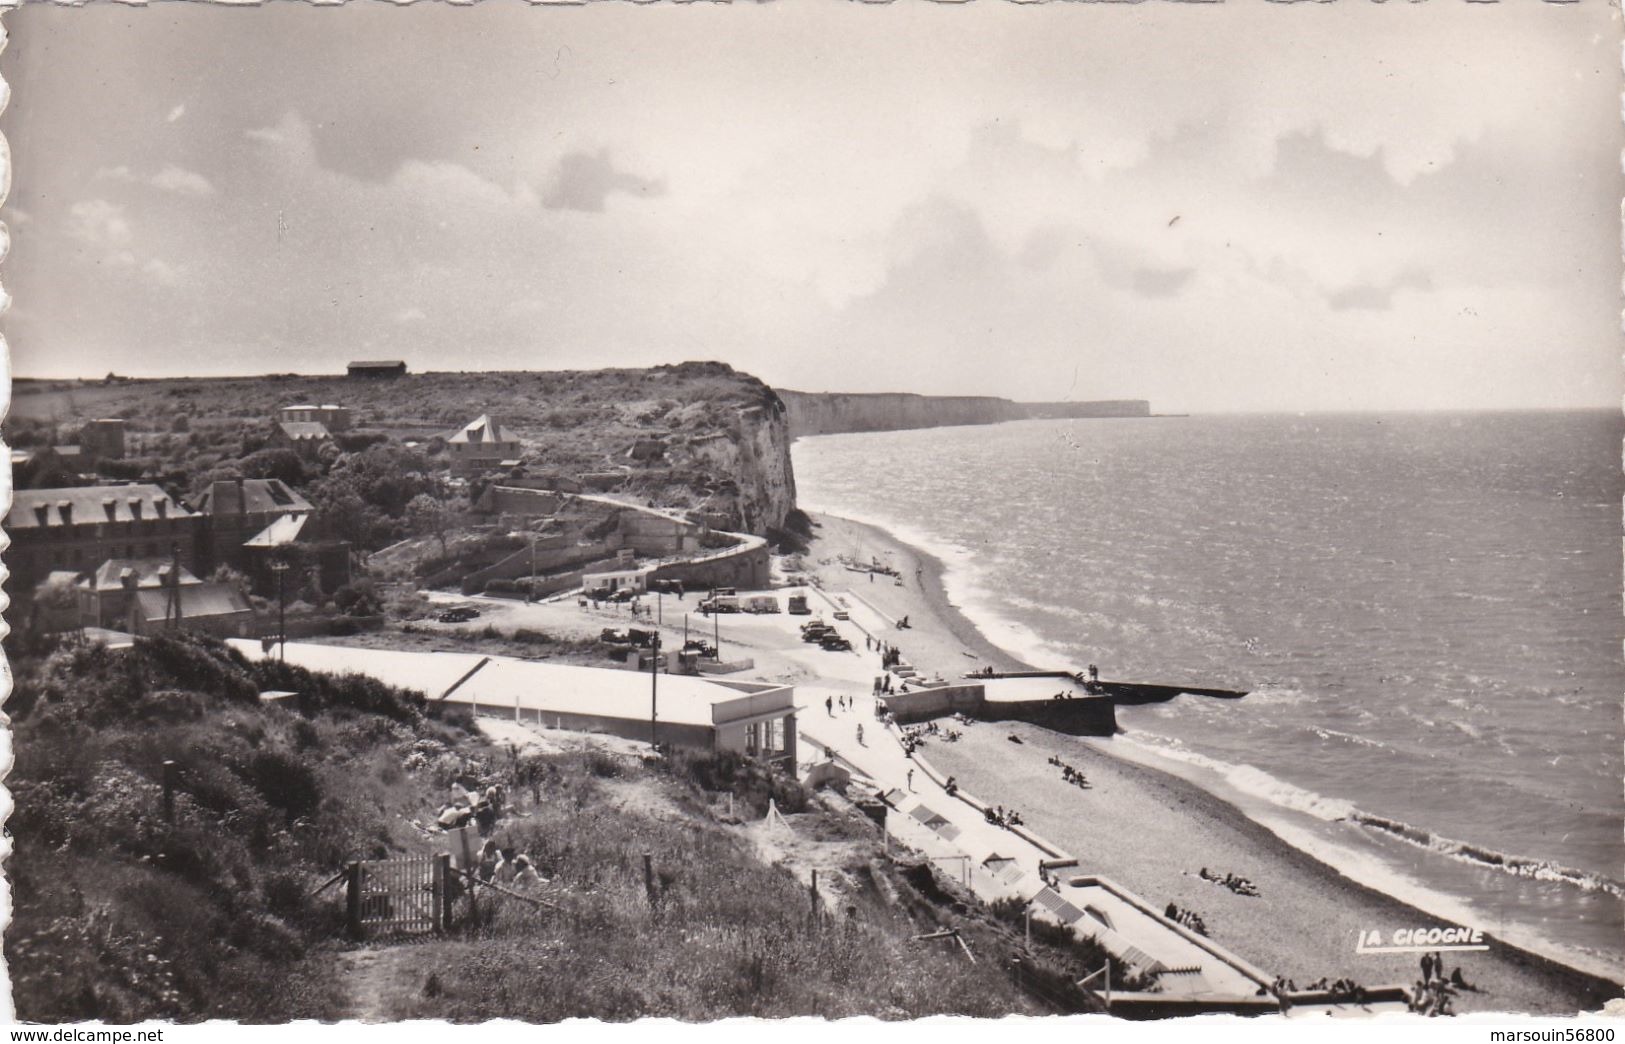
x: 1426, y: 610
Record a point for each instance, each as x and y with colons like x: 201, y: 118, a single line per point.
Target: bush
x: 285, y: 782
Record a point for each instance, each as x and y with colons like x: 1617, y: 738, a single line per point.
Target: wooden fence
x: 405, y: 895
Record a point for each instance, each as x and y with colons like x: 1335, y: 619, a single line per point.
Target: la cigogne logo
x: 1415, y: 940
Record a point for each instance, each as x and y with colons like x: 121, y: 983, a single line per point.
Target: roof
x: 297, y: 430
x: 429, y: 673
x: 88, y: 504
x: 197, y: 601
x: 259, y: 496
x: 483, y: 429
x: 284, y: 530
x: 109, y: 575
x: 378, y: 364
x: 504, y: 681
x: 604, y: 691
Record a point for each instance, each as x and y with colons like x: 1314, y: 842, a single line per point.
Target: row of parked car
x: 825, y: 636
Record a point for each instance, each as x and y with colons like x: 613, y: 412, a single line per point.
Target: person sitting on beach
x: 1460, y: 983
x: 1172, y: 912
x: 952, y: 787
x: 1013, y: 738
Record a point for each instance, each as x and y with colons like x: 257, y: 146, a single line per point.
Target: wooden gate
x: 405, y: 895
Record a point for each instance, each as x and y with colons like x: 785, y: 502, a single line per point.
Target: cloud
x: 162, y: 272
x: 170, y: 179
x: 1377, y: 297
x: 1161, y: 282
x: 99, y: 223
x: 182, y: 181
x: 584, y: 181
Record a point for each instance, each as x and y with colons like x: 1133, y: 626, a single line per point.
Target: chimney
x: 242, y: 499
x: 135, y: 508
x: 166, y: 576
x: 42, y: 514
x: 161, y: 506
x: 128, y: 579
x: 110, y: 506
x: 65, y: 509
x: 220, y: 498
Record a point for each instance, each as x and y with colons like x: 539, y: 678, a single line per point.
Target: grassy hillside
x: 124, y: 913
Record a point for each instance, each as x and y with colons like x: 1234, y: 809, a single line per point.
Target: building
x: 80, y: 527
x: 336, y: 418
x: 377, y: 368
x: 216, y: 609
x: 481, y: 444
x: 237, y: 510
x: 754, y: 718
x: 306, y: 438
x: 103, y: 439
x: 605, y: 584
x: 104, y: 596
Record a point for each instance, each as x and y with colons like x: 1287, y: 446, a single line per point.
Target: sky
x: 1231, y: 207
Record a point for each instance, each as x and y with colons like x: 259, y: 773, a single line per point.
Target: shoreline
x: 947, y: 640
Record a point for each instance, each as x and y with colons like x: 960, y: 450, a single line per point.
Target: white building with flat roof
x: 754, y: 718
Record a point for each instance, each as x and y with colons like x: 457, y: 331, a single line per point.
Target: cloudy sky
x: 1216, y: 207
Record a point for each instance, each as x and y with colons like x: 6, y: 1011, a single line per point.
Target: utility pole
x: 654, y: 691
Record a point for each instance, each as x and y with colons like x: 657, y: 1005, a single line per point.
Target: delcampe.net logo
x: 1416, y: 940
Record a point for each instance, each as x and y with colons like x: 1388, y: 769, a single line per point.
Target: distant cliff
x: 830, y: 413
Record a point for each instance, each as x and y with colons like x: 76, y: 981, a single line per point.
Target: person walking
x: 911, y: 780
x: 860, y: 734
x: 829, y: 705
x: 1427, y: 967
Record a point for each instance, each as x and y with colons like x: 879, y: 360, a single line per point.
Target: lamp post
x: 279, y: 566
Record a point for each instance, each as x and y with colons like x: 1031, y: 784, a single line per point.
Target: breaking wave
x: 1478, y: 855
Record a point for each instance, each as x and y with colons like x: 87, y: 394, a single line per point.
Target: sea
x: 1424, y: 609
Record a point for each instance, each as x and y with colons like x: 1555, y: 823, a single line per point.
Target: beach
x: 1152, y: 831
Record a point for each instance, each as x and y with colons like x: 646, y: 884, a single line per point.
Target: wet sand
x: 1153, y: 832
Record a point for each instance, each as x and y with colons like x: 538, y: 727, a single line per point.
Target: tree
x: 430, y: 516
x: 273, y: 463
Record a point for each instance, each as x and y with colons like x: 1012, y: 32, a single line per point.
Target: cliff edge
x: 832, y: 413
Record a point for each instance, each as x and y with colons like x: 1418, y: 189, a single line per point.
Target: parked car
x: 460, y: 614
x: 816, y: 634
x: 833, y: 642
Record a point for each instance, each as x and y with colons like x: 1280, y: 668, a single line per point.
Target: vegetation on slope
x: 125, y: 913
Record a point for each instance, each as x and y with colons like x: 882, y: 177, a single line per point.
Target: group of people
x: 999, y: 817
x: 846, y: 703
x: 1070, y: 774
x: 1239, y: 885
x: 1337, y: 989
x: 1435, y: 992
x: 883, y: 685
x: 506, y: 867
x: 481, y: 807
x: 890, y: 655
x: 1189, y: 918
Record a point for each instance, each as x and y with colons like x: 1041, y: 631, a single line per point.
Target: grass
x: 724, y: 935
x: 124, y: 913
